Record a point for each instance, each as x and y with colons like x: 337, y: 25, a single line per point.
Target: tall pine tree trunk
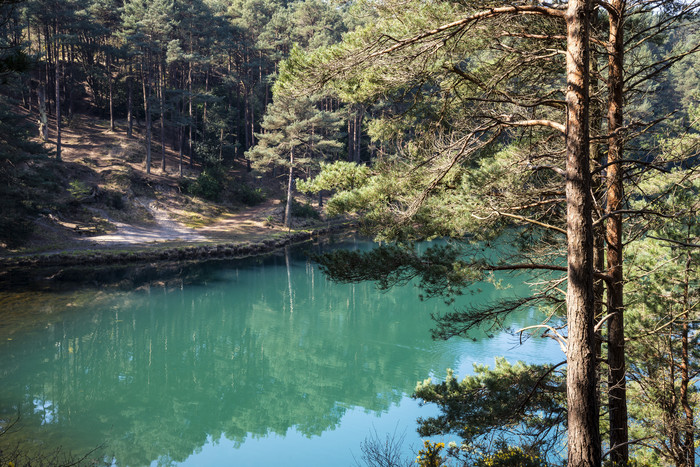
x: 130, y: 105
x: 43, y: 116
x: 688, y: 447
x: 68, y: 87
x: 358, y: 134
x: 111, y: 100
x: 191, y: 121
x: 581, y: 387
x: 351, y: 135
x: 147, y: 110
x: 597, y: 161
x: 181, y: 137
x: 252, y: 123
x: 221, y: 144
x: 58, y: 108
x: 617, y: 394
x: 205, y: 116
x: 161, y: 79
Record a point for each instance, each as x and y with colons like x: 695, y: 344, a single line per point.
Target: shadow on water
x: 161, y: 274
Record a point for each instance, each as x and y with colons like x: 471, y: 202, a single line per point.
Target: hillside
x: 100, y: 196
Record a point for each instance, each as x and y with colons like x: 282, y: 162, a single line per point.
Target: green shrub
x: 248, y: 195
x: 430, y: 455
x: 304, y: 211
x: 207, y: 150
x: 79, y: 190
x: 113, y: 199
x: 509, y: 456
x: 185, y: 184
x: 207, y: 185
x: 15, y: 230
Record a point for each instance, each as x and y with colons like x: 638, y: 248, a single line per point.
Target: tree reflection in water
x: 158, y: 360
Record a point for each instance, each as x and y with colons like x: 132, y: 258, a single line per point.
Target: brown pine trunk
x: 161, y: 86
x: 191, y: 121
x: 358, y: 135
x: 147, y: 110
x: 43, y: 116
x: 58, y: 111
x: 252, y: 123
x: 246, y: 120
x: 617, y: 394
x: 221, y: 144
x: 28, y: 102
x: 129, y: 105
x: 351, y: 135
x: 68, y: 88
x: 48, y: 67
x: 688, y: 447
x: 111, y: 101
x: 205, y: 118
x: 583, y: 434
x: 597, y: 160
x: 181, y: 134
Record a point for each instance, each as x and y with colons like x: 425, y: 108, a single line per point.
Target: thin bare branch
x: 491, y: 13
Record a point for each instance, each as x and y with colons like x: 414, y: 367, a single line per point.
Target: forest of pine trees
x: 192, y: 74
x: 573, y: 123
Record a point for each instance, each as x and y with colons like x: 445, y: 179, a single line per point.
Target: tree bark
x: 581, y: 387
x: 688, y: 447
x: 181, y: 134
x: 49, y: 65
x: 617, y: 394
x: 252, y: 123
x: 205, y: 117
x: 358, y: 134
x: 68, y: 87
x: 111, y: 100
x: 58, y: 111
x: 43, y: 116
x: 129, y: 105
x: 191, y: 121
x: 598, y: 182
x: 161, y: 87
x: 351, y: 134
x: 147, y: 110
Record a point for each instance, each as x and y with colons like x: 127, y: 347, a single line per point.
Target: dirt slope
x: 110, y: 200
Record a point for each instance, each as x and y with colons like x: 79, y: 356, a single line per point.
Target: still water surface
x: 260, y: 361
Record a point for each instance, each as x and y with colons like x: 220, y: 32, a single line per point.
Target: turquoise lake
x: 260, y: 361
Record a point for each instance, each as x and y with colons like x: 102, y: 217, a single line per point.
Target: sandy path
x: 87, y: 139
x: 165, y: 229
x: 249, y: 225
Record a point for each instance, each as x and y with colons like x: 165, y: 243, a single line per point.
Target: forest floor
x: 109, y: 201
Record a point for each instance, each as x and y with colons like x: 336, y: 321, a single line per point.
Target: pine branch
x: 461, y: 23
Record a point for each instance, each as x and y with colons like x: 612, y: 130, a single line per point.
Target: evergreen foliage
x: 460, y: 111
x: 525, y: 401
x: 25, y: 183
x: 297, y: 135
x: 469, y: 124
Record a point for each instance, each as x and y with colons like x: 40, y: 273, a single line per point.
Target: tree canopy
x: 563, y: 133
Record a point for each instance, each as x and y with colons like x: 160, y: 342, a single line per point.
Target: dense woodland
x: 572, y: 124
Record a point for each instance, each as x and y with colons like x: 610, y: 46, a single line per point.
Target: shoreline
x: 124, y: 254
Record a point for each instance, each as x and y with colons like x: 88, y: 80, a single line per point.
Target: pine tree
x: 297, y: 135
